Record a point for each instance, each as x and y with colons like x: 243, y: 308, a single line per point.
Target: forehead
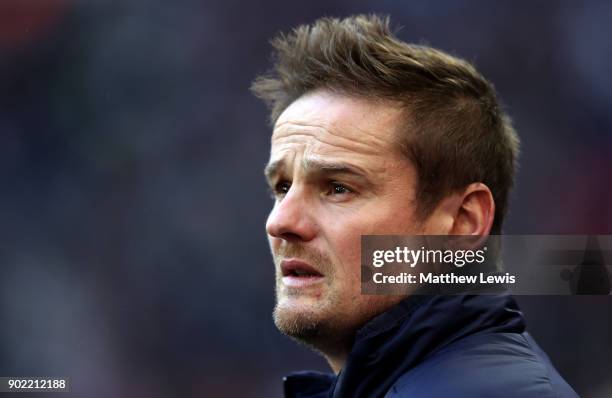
x: 325, y: 124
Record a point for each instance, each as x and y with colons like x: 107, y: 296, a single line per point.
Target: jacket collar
x: 402, y: 337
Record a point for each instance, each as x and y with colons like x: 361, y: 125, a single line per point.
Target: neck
x: 336, y: 352
x: 336, y: 362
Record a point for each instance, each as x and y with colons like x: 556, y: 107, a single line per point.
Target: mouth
x: 297, y: 273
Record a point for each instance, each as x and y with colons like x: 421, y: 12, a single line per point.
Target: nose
x: 292, y: 218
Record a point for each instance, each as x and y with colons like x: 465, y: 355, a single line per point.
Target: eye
x: 338, y: 189
x: 280, y: 189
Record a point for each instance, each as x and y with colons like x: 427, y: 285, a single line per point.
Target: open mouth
x: 298, y: 273
x: 298, y: 268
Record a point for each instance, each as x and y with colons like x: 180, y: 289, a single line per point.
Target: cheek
x: 346, y: 251
x: 393, y: 220
x: 344, y: 236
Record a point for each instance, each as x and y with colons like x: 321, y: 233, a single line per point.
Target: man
x: 376, y: 136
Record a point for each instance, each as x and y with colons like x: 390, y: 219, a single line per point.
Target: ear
x: 475, y: 211
x: 465, y: 212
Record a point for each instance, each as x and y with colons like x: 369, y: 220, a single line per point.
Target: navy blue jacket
x: 440, y: 346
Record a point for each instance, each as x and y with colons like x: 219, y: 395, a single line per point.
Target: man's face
x: 336, y: 173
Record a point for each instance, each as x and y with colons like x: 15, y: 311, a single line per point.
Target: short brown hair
x: 456, y: 132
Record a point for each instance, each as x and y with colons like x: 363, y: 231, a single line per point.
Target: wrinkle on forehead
x: 327, y: 126
x: 311, y: 148
x: 373, y: 122
x: 355, y: 139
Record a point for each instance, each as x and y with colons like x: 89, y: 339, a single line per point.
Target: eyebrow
x: 316, y: 166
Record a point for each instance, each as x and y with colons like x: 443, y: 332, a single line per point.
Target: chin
x: 296, y: 319
x: 305, y: 315
x: 319, y: 327
x: 300, y: 309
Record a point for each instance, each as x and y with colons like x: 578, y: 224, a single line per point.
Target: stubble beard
x: 327, y: 323
x: 318, y: 324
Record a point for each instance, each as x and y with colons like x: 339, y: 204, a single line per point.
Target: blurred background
x: 133, y: 256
